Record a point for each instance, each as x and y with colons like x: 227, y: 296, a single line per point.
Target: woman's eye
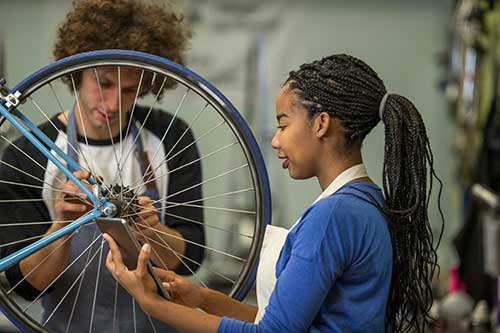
x: 281, y: 127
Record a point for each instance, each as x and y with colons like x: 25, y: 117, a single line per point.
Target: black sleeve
x: 190, y: 220
x: 17, y: 212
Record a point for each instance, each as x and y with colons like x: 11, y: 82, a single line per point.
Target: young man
x: 91, y: 133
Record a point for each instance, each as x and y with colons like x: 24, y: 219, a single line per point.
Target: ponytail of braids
x: 407, y: 156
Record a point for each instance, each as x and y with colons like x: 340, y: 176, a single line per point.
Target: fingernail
x: 145, y: 247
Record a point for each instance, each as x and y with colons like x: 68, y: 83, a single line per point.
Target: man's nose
x: 113, y: 100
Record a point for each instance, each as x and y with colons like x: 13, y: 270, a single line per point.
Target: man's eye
x: 281, y: 127
x: 129, y: 91
x: 105, y: 84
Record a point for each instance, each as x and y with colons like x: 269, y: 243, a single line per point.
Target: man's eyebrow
x: 281, y: 115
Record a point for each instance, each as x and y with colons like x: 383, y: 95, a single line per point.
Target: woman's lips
x: 285, y: 163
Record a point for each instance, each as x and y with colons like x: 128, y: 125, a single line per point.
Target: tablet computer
x: 130, y: 247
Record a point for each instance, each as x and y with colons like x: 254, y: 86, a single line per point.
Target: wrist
x: 205, y: 296
x: 54, y: 227
x: 148, y: 303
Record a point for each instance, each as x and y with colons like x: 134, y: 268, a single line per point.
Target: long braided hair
x: 350, y: 90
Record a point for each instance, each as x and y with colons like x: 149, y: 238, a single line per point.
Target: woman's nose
x: 275, y: 143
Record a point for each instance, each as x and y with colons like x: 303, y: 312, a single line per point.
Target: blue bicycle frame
x: 38, y: 139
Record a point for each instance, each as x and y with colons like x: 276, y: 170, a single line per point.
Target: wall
x: 235, y: 41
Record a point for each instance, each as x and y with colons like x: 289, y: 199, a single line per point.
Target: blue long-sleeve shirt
x: 334, y: 271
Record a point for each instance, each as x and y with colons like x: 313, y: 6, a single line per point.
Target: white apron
x: 274, y: 239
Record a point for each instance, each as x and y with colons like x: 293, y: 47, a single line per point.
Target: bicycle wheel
x: 143, y: 126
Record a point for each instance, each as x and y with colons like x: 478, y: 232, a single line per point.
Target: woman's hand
x: 181, y: 290
x: 138, y: 282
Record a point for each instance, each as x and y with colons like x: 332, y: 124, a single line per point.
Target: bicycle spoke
x: 32, y: 159
x: 114, y: 306
x: 191, y: 242
x: 186, y: 130
x: 76, y: 195
x: 220, y: 209
x: 120, y: 109
x: 21, y: 241
x: 58, y: 101
x: 168, y: 247
x: 206, y: 198
x: 207, y: 181
x: 166, y: 159
x: 109, y: 130
x: 79, y: 108
x: 195, y: 141
x: 133, y: 313
x: 17, y: 224
x: 194, y: 262
x: 165, y: 266
x: 131, y: 117
x: 185, y: 165
x: 79, y: 278
x: 145, y: 120
x: 196, y: 185
x: 60, y: 274
x: 63, y: 135
x: 87, y: 263
x: 176, y: 204
x: 26, y: 200
x: 165, y: 135
x: 196, y: 200
x: 27, y: 174
x: 96, y: 286
x: 27, y: 239
x: 152, y: 325
x: 207, y: 225
x: 40, y: 263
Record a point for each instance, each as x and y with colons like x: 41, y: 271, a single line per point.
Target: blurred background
x: 429, y: 51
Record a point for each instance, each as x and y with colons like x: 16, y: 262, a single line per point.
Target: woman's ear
x: 322, y: 124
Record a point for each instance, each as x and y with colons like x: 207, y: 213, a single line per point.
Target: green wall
x: 400, y: 39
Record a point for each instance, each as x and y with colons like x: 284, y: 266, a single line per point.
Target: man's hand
x: 146, y: 221
x: 71, y: 202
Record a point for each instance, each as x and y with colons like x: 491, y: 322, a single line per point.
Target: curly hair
x: 153, y: 28
x: 350, y: 90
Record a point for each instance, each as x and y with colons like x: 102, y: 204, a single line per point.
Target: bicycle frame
x: 38, y: 139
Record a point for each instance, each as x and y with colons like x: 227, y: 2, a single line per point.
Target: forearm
x: 168, y: 247
x: 43, y: 266
x: 180, y: 317
x: 219, y: 304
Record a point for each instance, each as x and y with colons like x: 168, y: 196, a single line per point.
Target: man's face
x: 104, y: 94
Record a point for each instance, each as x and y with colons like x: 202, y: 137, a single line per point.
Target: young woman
x: 358, y: 260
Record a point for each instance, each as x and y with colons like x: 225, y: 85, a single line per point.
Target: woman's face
x: 295, y: 140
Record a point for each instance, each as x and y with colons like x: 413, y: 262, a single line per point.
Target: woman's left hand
x: 138, y: 282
